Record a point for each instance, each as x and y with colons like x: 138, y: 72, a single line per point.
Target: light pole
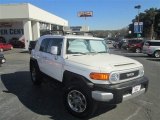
x: 138, y: 7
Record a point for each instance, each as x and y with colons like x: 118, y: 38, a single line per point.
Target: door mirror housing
x: 147, y: 44
x: 54, y: 50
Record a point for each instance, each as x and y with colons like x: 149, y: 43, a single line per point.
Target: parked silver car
x: 152, y: 48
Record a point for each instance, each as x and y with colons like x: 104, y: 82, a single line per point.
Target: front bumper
x: 116, y: 93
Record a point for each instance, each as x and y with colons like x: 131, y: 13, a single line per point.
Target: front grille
x: 129, y: 75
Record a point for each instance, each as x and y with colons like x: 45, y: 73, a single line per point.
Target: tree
x: 157, y: 24
x: 149, y: 23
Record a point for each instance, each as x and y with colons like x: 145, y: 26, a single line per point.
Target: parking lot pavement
x: 20, y: 100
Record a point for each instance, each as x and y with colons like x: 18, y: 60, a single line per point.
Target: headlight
x: 3, y: 60
x: 114, y: 77
x: 141, y: 72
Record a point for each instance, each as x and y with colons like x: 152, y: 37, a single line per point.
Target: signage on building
x: 85, y: 14
x: 9, y: 30
x: 138, y: 27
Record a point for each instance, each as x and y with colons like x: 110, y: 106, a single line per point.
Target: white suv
x: 152, y: 48
x: 87, y: 71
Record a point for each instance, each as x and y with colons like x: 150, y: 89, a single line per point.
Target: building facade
x: 26, y: 21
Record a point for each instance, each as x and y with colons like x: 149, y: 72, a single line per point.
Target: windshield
x: 86, y: 46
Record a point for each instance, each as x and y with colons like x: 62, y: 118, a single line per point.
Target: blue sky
x: 107, y: 14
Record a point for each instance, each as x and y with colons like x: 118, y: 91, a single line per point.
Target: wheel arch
x: 70, y: 77
x: 34, y: 62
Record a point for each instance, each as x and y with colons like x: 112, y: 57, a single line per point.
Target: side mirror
x: 54, y: 50
x: 147, y: 44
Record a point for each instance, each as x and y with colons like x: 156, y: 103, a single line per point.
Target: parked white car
x: 152, y: 48
x: 87, y: 71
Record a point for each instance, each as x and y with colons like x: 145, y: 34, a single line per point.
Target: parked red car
x: 5, y: 46
x: 16, y: 43
x: 136, y: 46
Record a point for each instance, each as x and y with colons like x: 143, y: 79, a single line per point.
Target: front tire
x: 35, y: 75
x: 138, y: 50
x: 78, y: 101
x: 11, y: 48
x: 1, y: 50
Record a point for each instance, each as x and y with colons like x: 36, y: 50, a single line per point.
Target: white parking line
x: 134, y: 114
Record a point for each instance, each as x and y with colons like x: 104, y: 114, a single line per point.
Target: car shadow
x: 46, y: 99
x: 24, y: 51
x: 154, y: 59
x: 114, y: 49
x: 135, y: 55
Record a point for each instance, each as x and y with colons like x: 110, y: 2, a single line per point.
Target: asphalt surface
x: 20, y: 100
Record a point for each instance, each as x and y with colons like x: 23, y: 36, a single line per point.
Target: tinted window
x: 134, y: 41
x: 154, y: 43
x: 44, y: 45
x: 55, y: 42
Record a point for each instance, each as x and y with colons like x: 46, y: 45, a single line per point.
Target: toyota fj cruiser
x: 88, y: 72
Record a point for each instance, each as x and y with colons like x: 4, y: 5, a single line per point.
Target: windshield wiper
x: 81, y: 53
x: 102, y: 52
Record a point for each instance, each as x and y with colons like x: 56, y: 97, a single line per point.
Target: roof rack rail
x: 78, y: 33
x: 62, y: 32
x: 53, y: 32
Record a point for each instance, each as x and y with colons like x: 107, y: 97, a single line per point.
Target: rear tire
x: 157, y: 54
x: 78, y: 101
x: 36, y: 76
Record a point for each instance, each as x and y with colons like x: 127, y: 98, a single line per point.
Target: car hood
x: 110, y: 61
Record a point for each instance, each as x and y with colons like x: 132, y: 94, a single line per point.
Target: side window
x: 44, y: 45
x: 155, y: 43
x: 55, y: 42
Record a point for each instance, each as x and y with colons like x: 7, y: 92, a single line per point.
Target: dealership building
x: 26, y: 22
